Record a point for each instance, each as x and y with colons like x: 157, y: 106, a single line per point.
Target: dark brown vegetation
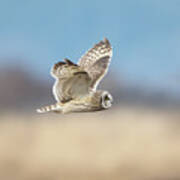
x: 138, y: 139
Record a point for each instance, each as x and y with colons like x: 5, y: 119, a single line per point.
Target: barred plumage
x: 53, y: 107
x: 75, y: 85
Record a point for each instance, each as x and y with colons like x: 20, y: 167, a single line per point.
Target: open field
x: 125, y: 144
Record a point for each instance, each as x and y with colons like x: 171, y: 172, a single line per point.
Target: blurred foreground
x: 125, y: 143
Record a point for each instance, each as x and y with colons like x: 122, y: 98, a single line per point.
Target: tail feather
x: 53, y: 107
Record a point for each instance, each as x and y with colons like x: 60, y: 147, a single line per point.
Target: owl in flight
x: 75, y: 88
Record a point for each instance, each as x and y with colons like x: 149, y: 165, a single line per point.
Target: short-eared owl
x: 75, y: 85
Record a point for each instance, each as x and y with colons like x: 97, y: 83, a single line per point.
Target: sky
x: 145, y: 35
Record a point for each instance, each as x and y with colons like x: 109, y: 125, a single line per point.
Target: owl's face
x: 106, y: 100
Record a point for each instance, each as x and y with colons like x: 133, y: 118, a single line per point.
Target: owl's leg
x: 51, y: 108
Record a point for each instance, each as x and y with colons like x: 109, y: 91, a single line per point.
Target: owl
x: 75, y: 88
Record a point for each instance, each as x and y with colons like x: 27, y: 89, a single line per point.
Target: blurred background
x: 138, y: 138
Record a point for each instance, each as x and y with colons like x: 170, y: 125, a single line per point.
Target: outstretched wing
x: 96, y: 61
x: 71, y: 81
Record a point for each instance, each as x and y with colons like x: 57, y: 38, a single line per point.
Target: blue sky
x: 145, y: 36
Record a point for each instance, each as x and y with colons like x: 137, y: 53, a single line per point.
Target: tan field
x: 124, y: 144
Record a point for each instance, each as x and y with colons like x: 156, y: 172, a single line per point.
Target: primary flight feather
x: 75, y: 88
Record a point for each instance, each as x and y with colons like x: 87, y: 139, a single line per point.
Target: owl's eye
x: 106, y: 100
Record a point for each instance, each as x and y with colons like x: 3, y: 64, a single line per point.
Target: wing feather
x: 96, y: 61
x: 71, y: 81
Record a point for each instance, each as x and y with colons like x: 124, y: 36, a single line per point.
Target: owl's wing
x: 71, y: 81
x: 96, y: 61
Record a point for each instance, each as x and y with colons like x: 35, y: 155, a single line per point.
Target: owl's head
x: 106, y: 100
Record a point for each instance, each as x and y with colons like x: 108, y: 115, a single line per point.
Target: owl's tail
x: 53, y: 107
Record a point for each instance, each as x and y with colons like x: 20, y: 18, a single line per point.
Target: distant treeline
x: 19, y: 89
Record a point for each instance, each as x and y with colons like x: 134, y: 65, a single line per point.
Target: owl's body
x: 75, y: 85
